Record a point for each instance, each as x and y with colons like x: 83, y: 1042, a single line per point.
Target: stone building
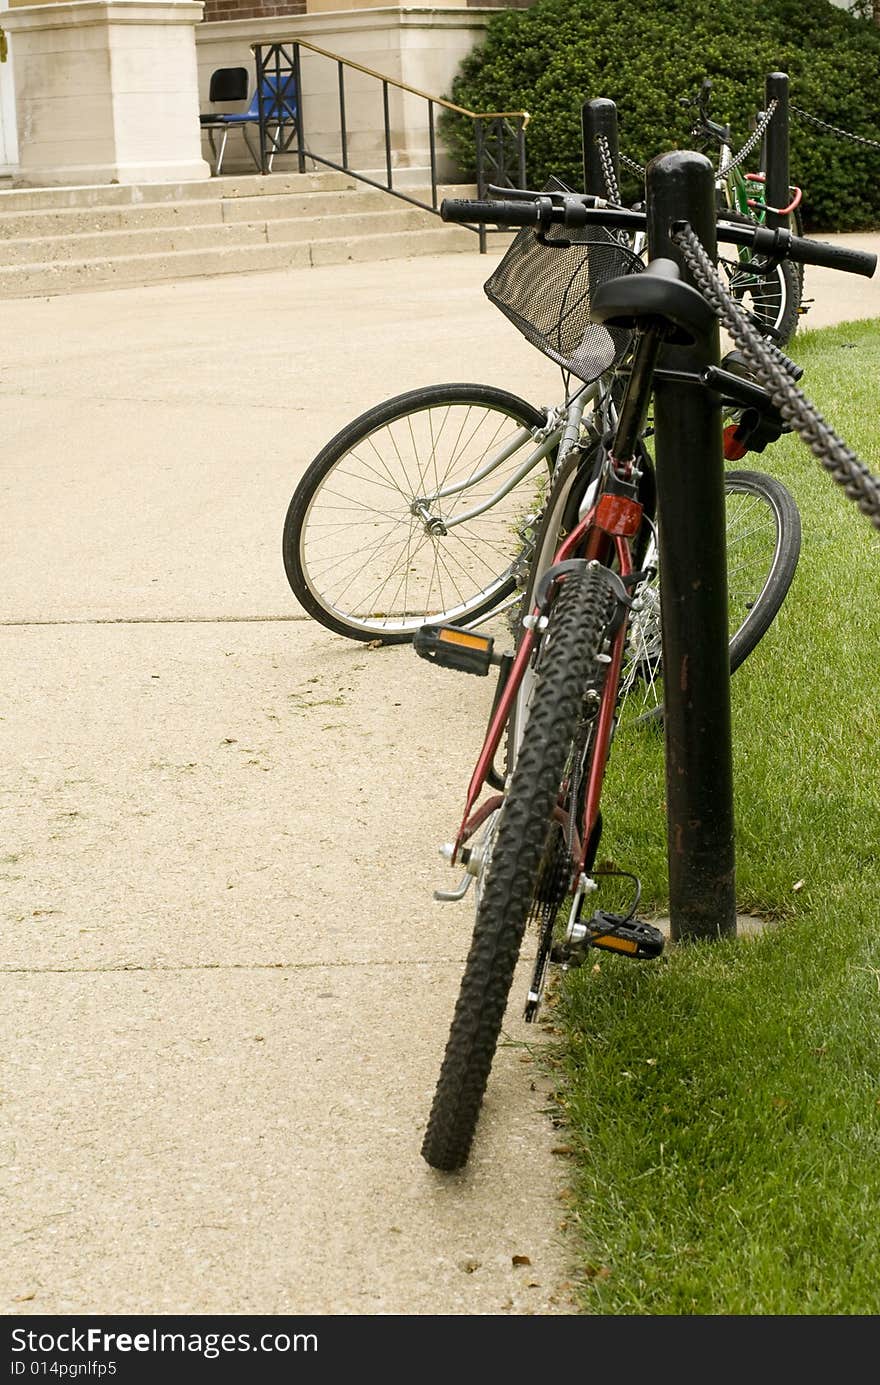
x: 105, y: 91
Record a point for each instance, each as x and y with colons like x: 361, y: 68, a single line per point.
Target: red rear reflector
x: 617, y: 514
x: 733, y: 448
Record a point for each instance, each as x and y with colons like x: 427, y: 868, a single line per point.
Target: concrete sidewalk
x: 227, y: 987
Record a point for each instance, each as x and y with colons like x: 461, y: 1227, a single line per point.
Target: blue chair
x: 279, y: 95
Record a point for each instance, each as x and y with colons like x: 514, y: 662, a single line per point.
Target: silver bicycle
x: 435, y: 506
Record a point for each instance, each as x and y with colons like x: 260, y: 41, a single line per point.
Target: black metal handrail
x: 499, y: 136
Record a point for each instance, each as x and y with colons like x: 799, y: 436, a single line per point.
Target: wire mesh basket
x: 546, y: 290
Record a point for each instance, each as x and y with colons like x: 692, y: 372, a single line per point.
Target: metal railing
x: 499, y: 136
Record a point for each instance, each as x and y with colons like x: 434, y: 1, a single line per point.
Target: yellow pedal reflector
x: 616, y: 944
x: 451, y: 647
x: 463, y: 638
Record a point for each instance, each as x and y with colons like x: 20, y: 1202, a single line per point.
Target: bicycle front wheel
x: 416, y: 512
x: 524, y: 851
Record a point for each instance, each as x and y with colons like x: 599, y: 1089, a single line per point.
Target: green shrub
x: 552, y: 58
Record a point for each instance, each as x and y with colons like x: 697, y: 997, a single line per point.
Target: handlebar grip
x: 497, y: 213
x: 820, y: 252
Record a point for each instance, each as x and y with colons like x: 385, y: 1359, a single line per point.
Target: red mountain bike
x: 529, y: 848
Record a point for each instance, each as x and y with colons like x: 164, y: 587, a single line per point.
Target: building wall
x: 417, y: 46
x: 8, y: 136
x: 420, y: 46
x: 106, y: 92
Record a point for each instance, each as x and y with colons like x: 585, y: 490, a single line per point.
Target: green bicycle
x: 773, y: 294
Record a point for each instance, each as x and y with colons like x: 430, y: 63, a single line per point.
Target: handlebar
x: 702, y: 98
x: 543, y: 211
x: 706, y: 126
x: 575, y: 210
x: 777, y: 243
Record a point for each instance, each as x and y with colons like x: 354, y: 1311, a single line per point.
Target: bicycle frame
x: 564, y: 430
x: 744, y: 192
x: 605, y: 535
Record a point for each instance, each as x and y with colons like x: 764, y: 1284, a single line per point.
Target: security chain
x: 736, y: 159
x: 612, y: 191
x: 859, y: 484
x: 835, y: 129
x: 750, y: 143
x: 631, y: 163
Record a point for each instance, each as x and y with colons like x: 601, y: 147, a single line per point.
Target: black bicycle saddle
x: 658, y: 292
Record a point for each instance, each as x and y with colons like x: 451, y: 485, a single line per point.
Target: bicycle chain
x: 835, y: 129
x: 844, y: 466
x: 752, y: 140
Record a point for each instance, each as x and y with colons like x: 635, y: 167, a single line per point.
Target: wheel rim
x: 753, y: 549
x: 374, y: 548
x: 763, y: 297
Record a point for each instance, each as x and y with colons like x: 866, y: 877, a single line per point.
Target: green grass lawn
x: 723, y: 1103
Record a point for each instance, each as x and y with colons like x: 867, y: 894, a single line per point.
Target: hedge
x: 552, y: 58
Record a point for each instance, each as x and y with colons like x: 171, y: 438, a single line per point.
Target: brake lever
x: 544, y: 223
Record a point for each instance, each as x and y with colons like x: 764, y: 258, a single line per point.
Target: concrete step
x: 68, y: 276
x: 58, y: 240
x: 204, y: 236
x: 72, y: 221
x: 127, y: 194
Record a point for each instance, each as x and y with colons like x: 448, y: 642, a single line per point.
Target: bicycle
x: 428, y: 506
x: 772, y: 293
x: 530, y: 848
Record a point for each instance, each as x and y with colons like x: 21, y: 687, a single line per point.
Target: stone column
x: 107, y: 92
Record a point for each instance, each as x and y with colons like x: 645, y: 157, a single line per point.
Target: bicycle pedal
x: 617, y: 933
x: 613, y: 933
x: 451, y: 647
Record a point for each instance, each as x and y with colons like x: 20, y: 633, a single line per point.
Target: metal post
x: 521, y: 152
x: 387, y: 118
x: 300, y: 129
x: 481, y: 177
x: 342, y: 126
x: 259, y: 63
x: 432, y: 144
x: 776, y: 149
x: 599, y: 117
x: 693, y: 588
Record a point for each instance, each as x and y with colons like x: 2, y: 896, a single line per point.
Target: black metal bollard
x: 776, y: 188
x: 599, y: 117
x: 693, y: 588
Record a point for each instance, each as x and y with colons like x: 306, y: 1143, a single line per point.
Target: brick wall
x: 216, y: 10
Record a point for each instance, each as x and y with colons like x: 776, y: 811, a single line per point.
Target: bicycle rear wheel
x: 763, y: 546
x: 369, y: 546
x: 774, y: 300
x: 524, y: 855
